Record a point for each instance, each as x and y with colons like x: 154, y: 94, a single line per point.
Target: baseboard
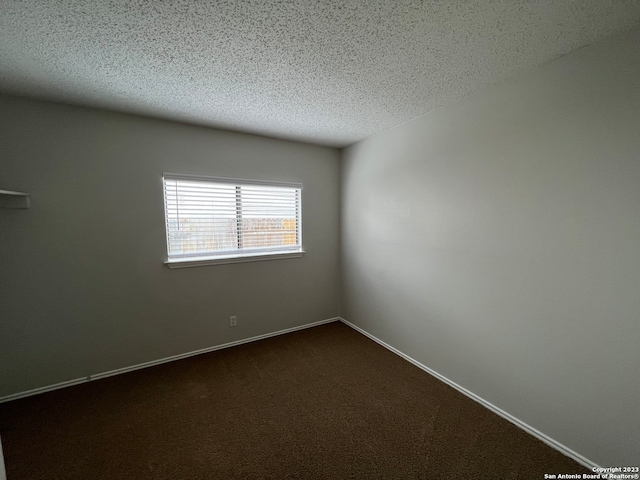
x: 498, y: 411
x: 152, y: 363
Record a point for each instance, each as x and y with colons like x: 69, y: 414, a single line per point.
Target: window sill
x: 221, y: 260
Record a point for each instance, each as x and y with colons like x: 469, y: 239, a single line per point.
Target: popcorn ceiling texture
x: 324, y: 72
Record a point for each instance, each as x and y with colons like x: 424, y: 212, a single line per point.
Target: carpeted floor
x: 325, y: 402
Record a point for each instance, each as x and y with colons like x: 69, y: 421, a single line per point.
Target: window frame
x: 230, y: 256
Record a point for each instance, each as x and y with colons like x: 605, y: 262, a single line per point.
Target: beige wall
x: 83, y: 287
x: 497, y: 241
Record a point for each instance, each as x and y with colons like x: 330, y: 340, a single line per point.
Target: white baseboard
x: 498, y: 411
x: 507, y: 416
x: 139, y: 366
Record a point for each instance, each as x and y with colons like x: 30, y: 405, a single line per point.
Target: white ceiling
x: 325, y: 72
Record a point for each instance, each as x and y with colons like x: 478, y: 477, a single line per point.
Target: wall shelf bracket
x: 9, y: 199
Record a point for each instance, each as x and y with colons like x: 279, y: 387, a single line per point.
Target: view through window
x: 218, y: 217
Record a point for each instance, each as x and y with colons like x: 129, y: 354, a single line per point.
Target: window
x: 223, y: 220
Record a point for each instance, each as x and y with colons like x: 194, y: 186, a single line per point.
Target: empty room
x: 319, y: 239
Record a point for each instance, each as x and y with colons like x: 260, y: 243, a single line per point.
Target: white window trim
x: 186, y: 261
x: 221, y: 260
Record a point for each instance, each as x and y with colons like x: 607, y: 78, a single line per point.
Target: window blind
x: 222, y: 217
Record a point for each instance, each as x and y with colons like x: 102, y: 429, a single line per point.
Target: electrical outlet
x: 232, y: 321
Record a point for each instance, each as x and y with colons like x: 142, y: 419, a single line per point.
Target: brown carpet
x: 325, y: 402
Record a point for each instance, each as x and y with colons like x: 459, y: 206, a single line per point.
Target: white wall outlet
x: 232, y: 321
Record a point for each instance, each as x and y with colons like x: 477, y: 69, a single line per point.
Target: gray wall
x: 497, y: 241
x: 83, y: 287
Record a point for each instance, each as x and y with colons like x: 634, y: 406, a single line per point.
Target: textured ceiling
x: 325, y: 72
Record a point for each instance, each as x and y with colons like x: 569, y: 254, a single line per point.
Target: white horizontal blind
x: 226, y: 217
